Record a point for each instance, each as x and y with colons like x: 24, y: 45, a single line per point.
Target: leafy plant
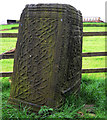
x: 45, y: 111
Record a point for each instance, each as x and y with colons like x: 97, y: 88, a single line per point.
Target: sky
x: 12, y: 9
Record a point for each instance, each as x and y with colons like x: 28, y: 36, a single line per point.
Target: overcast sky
x: 12, y: 9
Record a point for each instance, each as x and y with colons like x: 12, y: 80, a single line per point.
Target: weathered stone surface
x: 48, y: 60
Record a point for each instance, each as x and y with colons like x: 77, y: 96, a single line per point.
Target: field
x: 92, y: 87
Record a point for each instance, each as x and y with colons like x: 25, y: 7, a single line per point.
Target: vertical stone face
x: 48, y: 60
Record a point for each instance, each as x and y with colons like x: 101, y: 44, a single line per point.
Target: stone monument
x: 48, y: 56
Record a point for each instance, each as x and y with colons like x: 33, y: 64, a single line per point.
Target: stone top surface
x: 31, y: 9
x: 51, y: 6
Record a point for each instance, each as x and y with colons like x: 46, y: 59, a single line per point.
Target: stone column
x: 48, y: 60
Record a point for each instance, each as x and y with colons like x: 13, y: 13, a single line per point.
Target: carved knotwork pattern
x: 34, y: 59
x: 48, y: 57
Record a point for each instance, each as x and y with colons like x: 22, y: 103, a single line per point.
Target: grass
x: 94, y: 29
x: 9, y: 31
x: 93, y: 23
x: 92, y: 87
x: 9, y: 26
x: 93, y: 62
x: 7, y: 65
x: 92, y: 93
x: 94, y: 44
x: 6, y: 27
x: 8, y: 111
x: 7, y: 44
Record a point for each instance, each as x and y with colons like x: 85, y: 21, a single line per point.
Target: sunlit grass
x: 10, y: 31
x: 7, y: 65
x: 93, y: 62
x: 94, y: 44
x: 9, y: 26
x: 7, y: 44
x: 93, y: 29
x: 93, y: 23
